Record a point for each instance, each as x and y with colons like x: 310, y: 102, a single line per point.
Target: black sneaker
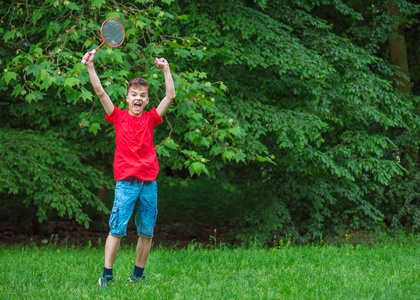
x: 104, y: 281
x: 134, y: 279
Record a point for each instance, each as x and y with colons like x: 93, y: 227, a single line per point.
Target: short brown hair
x: 138, y: 82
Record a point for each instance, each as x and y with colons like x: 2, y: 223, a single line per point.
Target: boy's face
x: 137, y: 98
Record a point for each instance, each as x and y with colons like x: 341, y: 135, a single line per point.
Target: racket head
x: 112, y: 32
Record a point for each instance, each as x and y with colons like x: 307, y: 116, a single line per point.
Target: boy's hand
x: 161, y: 63
x: 89, y: 56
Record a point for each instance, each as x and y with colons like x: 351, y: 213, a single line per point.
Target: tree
x: 48, y: 91
x: 381, y: 31
x: 42, y: 170
x: 322, y: 106
x: 398, y: 50
x: 269, y: 97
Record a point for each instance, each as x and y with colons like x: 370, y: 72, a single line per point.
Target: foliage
x: 272, y: 99
x: 399, y: 200
x: 48, y: 90
x: 47, y: 65
x: 44, y: 171
x: 323, y: 108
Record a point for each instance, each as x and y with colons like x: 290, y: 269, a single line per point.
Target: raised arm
x: 96, y: 83
x: 169, y: 86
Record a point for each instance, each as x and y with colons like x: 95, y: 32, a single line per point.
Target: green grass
x: 386, y: 271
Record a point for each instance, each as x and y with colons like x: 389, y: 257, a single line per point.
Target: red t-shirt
x: 135, y: 155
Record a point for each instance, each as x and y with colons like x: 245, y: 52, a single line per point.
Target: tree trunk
x: 398, y: 50
x: 102, y: 192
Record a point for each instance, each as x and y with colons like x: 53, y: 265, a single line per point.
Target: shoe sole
x: 138, y: 280
x: 102, y: 286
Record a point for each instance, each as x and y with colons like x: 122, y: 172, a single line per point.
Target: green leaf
x: 86, y: 95
x: 9, y: 35
x: 205, y: 142
x: 72, y: 95
x: 197, y: 53
x: 30, y: 97
x: 239, y: 156
x: 115, y: 15
x: 123, y: 73
x: 130, y: 32
x: 220, y: 134
x: 228, y: 155
x: 216, y: 150
x: 7, y: 76
x: 98, y: 3
x: 94, y: 127
x: 52, y: 80
x: 34, y: 96
x: 193, y: 136
x: 235, y: 130
x: 18, y: 90
x: 87, y: 43
x: 162, y: 151
x: 49, y: 32
x: 158, y: 51
x: 183, y: 53
x: 265, y: 159
x: 183, y: 17
x: 71, y: 81
x: 37, y: 15
x: 140, y: 24
x: 43, y: 76
x: 202, y: 75
x: 117, y: 55
x: 197, y: 168
x: 78, y: 68
x: 71, y: 5
x: 35, y: 69
x: 170, y: 143
x: 174, y: 45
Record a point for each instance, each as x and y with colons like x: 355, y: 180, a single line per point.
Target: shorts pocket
x: 113, y: 220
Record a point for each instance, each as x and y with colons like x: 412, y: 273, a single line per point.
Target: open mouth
x: 137, y: 105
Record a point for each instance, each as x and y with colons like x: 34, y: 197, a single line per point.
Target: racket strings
x: 113, y: 33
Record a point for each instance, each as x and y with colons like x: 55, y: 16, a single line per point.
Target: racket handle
x: 84, y: 60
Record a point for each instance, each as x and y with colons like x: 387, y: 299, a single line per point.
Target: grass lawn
x: 382, y: 271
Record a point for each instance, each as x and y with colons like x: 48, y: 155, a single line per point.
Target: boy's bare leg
x: 111, y: 249
x: 143, y: 249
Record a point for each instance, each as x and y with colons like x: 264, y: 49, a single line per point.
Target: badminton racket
x: 112, y: 33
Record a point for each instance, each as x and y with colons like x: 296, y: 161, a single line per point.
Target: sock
x: 138, y: 272
x: 107, y: 272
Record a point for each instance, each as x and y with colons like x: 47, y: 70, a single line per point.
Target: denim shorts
x: 127, y: 192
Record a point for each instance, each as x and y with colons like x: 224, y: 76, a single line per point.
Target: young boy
x: 135, y: 165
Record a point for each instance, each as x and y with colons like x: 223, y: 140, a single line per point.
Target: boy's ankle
x: 107, y: 272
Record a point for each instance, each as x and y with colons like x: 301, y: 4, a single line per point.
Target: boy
x: 135, y: 165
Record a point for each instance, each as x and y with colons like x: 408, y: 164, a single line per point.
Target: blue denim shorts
x: 127, y: 192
